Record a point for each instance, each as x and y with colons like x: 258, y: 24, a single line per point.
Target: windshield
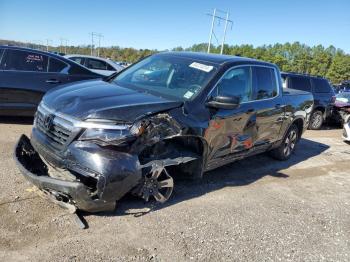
x: 168, y: 76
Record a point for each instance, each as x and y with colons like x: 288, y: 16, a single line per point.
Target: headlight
x: 113, y: 136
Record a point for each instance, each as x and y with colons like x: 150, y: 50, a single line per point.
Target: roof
x: 214, y: 58
x: 31, y: 50
x: 108, y: 61
x: 87, y: 56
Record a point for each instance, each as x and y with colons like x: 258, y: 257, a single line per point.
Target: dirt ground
x: 253, y: 210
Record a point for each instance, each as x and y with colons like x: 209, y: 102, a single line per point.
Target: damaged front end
x: 81, y: 166
x: 341, y: 112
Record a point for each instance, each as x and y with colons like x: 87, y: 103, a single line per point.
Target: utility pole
x: 211, y: 30
x: 224, y: 37
x: 99, y: 42
x: 65, y: 47
x: 92, y: 43
x: 61, y: 46
x: 47, y: 44
x: 219, y: 18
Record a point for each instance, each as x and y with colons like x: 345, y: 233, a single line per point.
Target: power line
x: 219, y: 18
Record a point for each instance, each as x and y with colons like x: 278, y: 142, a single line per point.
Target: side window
x: 24, y: 61
x: 265, y: 84
x: 96, y: 64
x: 1, y: 53
x: 300, y: 83
x: 110, y: 68
x: 56, y: 65
x: 321, y: 85
x: 78, y: 60
x: 236, y: 82
x: 284, y: 81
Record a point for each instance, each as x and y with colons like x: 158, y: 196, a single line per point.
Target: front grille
x: 59, y: 130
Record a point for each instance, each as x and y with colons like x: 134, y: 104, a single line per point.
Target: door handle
x: 53, y: 81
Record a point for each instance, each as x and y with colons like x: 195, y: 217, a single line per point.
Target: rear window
x: 321, y: 85
x: 300, y: 83
x: 264, y: 82
x: 56, y: 65
x: 24, y: 61
x: 79, y: 60
x: 96, y: 64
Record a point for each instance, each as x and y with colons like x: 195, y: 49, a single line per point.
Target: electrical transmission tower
x: 93, y: 35
x: 219, y: 18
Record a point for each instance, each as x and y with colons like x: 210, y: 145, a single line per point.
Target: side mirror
x: 223, y: 102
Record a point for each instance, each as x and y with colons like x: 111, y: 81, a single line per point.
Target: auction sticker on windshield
x: 188, y: 94
x: 202, y: 67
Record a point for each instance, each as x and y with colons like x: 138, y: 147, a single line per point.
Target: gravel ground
x: 253, y: 210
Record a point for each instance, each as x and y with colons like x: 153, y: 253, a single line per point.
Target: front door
x: 232, y: 131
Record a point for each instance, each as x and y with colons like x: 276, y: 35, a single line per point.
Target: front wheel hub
x: 157, y: 183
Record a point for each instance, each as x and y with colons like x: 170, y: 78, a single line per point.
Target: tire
x: 316, y: 120
x: 287, y: 147
x: 347, y: 119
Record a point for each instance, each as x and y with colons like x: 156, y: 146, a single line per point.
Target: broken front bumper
x: 111, y: 185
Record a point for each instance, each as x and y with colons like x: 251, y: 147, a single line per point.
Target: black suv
x: 27, y: 74
x: 320, y: 88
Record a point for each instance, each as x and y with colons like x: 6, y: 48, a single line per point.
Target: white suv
x: 96, y: 64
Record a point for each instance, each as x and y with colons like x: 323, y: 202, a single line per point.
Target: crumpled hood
x: 102, y: 100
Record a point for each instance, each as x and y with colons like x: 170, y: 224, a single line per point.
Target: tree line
x: 329, y: 62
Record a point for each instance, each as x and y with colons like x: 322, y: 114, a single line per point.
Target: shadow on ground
x: 239, y: 173
x: 16, y: 120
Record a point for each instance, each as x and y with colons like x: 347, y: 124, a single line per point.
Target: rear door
x: 268, y: 106
x: 25, y: 76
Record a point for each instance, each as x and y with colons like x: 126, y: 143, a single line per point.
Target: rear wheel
x: 287, y: 147
x: 316, y: 120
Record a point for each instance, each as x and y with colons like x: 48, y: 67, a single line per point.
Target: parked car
x: 341, y: 108
x: 27, y: 74
x: 123, y: 64
x: 320, y: 88
x: 98, y: 65
x: 343, y: 87
x: 128, y: 133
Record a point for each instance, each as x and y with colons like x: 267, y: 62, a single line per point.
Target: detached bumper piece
x: 68, y: 194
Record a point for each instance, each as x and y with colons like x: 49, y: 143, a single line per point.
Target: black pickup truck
x: 170, y: 114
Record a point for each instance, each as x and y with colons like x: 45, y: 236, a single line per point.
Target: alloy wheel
x: 159, y: 184
x: 290, y: 142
